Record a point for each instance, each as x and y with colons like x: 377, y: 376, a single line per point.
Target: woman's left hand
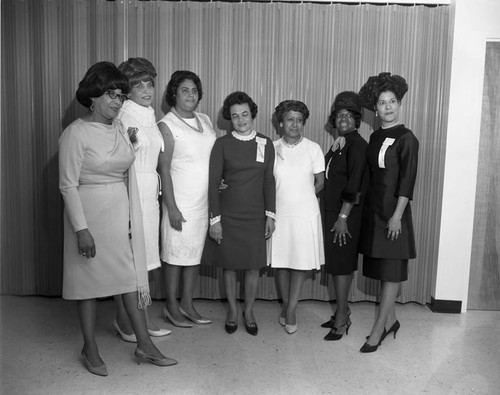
x: 270, y: 226
x: 393, y: 228
x: 340, y: 231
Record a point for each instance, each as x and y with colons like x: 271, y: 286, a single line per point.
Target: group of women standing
x: 240, y: 202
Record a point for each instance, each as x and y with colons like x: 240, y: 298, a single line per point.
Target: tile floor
x: 432, y: 354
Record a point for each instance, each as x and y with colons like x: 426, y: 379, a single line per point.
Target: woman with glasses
x: 189, y: 137
x: 387, y: 240
x: 342, y: 203
x: 138, y: 116
x: 100, y: 193
x: 297, y: 243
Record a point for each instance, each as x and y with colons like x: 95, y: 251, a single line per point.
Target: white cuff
x: 214, y: 220
x: 270, y: 214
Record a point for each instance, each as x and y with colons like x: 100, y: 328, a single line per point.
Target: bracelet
x: 343, y: 216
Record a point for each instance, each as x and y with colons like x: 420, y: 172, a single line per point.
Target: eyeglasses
x: 346, y: 115
x: 113, y: 95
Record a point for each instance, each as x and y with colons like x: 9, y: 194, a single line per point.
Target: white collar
x: 244, y: 138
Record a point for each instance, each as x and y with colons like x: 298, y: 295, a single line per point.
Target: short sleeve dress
x: 297, y: 242
x: 346, y: 180
x: 189, y: 172
x: 147, y: 149
x: 246, y: 165
x: 392, y: 156
x: 94, y: 162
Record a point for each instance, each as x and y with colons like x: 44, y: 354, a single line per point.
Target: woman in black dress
x: 345, y: 184
x: 241, y: 215
x: 387, y: 239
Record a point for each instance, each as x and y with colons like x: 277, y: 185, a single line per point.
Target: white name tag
x: 261, y: 148
x: 381, y: 155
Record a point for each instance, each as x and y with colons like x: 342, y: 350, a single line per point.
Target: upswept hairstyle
x: 291, y: 105
x: 176, y: 79
x: 98, y: 79
x: 384, y: 82
x: 138, y: 70
x: 238, y: 97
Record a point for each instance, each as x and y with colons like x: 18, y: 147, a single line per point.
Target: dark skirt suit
x: 392, y: 156
x: 346, y: 181
x: 243, y: 205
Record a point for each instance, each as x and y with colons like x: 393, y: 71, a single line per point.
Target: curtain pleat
x: 272, y: 51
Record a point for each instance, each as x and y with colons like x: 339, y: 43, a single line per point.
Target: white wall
x: 475, y: 21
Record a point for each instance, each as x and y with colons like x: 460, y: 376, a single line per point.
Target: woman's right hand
x: 86, y: 245
x: 215, y: 232
x: 176, y: 219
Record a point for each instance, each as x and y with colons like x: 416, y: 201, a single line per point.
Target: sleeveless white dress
x: 147, y: 149
x: 189, y: 172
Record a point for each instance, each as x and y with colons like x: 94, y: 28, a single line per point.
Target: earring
x: 92, y: 106
x: 376, y: 114
x: 281, y: 125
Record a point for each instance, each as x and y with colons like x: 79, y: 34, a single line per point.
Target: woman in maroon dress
x: 241, y: 215
x: 387, y: 239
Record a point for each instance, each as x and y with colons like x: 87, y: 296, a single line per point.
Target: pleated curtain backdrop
x: 272, y: 51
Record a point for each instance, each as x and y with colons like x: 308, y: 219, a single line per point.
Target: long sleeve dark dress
x: 346, y: 180
x: 250, y: 196
x: 392, y: 156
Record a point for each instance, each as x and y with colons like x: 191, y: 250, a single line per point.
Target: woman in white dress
x: 297, y: 242
x: 189, y: 137
x: 138, y: 117
x: 99, y: 187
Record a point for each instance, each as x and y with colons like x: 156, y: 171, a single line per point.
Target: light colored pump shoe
x: 199, y: 321
x: 97, y: 370
x: 128, y: 338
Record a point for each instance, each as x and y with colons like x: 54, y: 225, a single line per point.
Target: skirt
x: 391, y: 270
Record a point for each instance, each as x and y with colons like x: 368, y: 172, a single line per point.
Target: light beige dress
x: 94, y: 162
x: 189, y: 172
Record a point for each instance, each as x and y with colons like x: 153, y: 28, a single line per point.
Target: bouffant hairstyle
x: 176, y: 79
x: 98, y: 79
x: 238, y: 98
x: 384, y: 82
x: 349, y: 101
x: 291, y: 105
x: 138, y: 70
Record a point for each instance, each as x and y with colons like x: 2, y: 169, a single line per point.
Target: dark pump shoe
x: 231, y: 327
x: 251, y: 327
x: 331, y: 322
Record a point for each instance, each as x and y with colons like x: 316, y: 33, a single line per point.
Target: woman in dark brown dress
x: 346, y: 178
x: 387, y: 239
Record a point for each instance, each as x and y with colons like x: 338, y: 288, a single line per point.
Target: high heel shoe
x: 159, y: 333
x: 290, y: 329
x: 142, y: 357
x: 128, y: 338
x: 199, y: 321
x: 251, y: 327
x: 394, y: 328
x: 333, y: 335
x: 331, y: 322
x: 282, y: 321
x: 368, y: 348
x: 98, y: 370
x: 180, y: 324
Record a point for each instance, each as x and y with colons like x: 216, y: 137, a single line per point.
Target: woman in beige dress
x: 96, y: 180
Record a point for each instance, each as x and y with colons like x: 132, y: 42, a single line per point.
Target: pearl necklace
x: 291, y: 145
x: 200, y: 126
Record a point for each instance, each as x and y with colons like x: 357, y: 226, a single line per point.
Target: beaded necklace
x: 198, y: 122
x: 292, y: 145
